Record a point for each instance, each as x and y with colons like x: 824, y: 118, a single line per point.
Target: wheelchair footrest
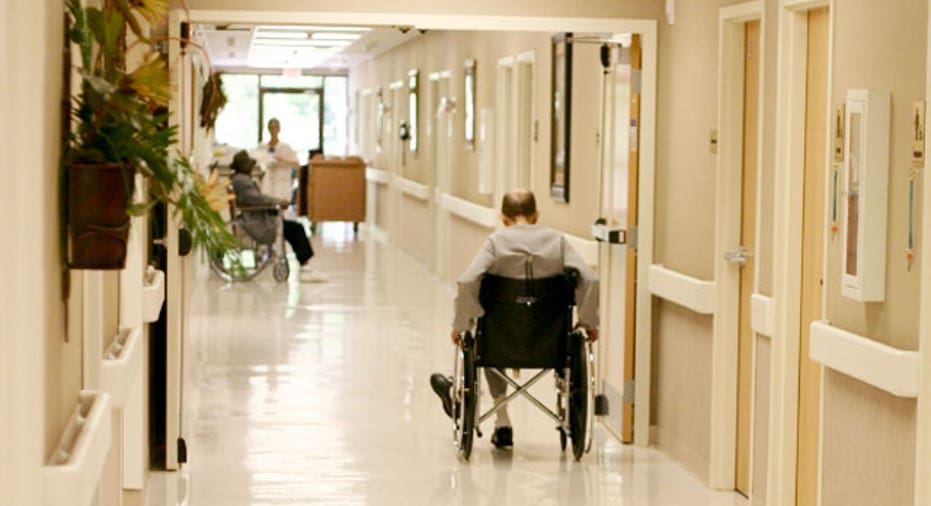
x: 601, y: 405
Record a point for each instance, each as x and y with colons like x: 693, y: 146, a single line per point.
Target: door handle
x: 737, y: 256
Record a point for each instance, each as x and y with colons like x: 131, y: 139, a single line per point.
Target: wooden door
x: 812, y: 249
x: 630, y: 306
x: 747, y: 241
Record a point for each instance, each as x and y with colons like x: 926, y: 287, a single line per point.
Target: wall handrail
x: 73, y: 473
x: 885, y: 367
x: 377, y: 175
x: 120, y: 365
x: 412, y: 188
x: 682, y: 289
x: 470, y: 211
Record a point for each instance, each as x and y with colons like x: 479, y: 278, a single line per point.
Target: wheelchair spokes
x: 465, y: 397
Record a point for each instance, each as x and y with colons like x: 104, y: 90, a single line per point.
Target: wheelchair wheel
x: 281, y: 269
x: 243, y: 262
x: 465, y: 397
x: 579, y: 396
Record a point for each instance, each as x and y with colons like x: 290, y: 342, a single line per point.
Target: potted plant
x: 120, y: 129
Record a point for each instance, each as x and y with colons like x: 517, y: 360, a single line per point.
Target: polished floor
x: 318, y: 394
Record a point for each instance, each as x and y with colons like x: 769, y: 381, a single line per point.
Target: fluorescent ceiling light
x: 335, y: 36
x: 314, y: 28
x: 280, y: 35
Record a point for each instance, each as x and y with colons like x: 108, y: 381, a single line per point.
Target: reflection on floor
x: 318, y: 394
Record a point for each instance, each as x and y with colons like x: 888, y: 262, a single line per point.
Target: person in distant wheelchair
x: 248, y: 195
x: 522, y: 249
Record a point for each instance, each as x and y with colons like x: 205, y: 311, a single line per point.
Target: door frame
x: 728, y: 213
x: 647, y: 28
x: 788, y: 183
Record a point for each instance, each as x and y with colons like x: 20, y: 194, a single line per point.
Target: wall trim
x: 761, y: 314
x: 377, y: 175
x: 691, y: 293
x: 72, y: 476
x: 412, y: 188
x: 891, y: 369
x: 728, y: 218
x: 470, y: 211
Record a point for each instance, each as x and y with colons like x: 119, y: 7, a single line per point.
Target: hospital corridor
x: 483, y: 253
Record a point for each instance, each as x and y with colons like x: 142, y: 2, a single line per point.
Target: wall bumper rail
x: 891, y: 369
x: 120, y: 365
x: 72, y: 475
x: 153, y: 294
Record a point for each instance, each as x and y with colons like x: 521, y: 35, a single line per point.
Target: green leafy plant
x: 121, y: 117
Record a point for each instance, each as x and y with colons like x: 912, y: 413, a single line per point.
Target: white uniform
x: 277, y: 180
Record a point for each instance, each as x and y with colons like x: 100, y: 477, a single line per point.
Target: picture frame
x: 561, y: 114
x: 469, y: 108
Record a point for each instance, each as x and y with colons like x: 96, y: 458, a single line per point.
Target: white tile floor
x: 318, y: 394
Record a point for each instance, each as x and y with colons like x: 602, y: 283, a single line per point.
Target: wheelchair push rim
x: 580, y: 397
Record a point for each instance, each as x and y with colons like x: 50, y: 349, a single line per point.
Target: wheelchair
x: 252, y: 255
x: 527, y: 325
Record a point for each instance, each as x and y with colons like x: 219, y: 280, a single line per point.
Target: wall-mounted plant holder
x: 866, y: 181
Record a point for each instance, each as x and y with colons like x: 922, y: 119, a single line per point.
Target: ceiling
x: 288, y: 47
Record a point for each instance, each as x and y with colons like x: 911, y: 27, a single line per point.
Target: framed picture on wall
x: 413, y: 109
x: 379, y: 119
x: 469, y: 81
x: 561, y: 107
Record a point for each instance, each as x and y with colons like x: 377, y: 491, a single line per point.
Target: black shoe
x: 503, y: 437
x: 442, y: 386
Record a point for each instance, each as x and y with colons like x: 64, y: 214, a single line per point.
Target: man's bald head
x: 519, y: 203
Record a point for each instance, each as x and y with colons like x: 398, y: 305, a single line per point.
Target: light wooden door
x: 747, y: 241
x: 812, y: 249
x: 633, y: 182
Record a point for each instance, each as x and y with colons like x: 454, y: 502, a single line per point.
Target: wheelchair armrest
x: 572, y: 276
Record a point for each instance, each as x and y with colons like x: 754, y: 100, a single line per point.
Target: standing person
x: 248, y: 195
x: 506, y: 253
x: 279, y: 180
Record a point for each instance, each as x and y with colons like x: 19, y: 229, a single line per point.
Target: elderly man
x: 521, y: 247
x: 248, y: 195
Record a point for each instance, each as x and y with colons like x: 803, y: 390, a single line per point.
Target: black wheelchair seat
x: 526, y: 323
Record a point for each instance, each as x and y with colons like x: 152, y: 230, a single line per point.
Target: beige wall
x: 869, y: 435
x: 869, y: 451
x: 585, y: 8
x: 416, y: 229
x: 681, y: 414
x: 893, y: 59
x: 37, y: 382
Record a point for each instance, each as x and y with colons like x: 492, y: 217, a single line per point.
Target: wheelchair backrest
x: 526, y: 322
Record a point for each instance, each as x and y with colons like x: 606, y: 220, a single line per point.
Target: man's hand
x: 591, y: 332
x: 456, y: 338
x: 284, y: 203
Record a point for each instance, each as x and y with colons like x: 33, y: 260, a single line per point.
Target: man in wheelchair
x: 522, y: 250
x: 248, y: 195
